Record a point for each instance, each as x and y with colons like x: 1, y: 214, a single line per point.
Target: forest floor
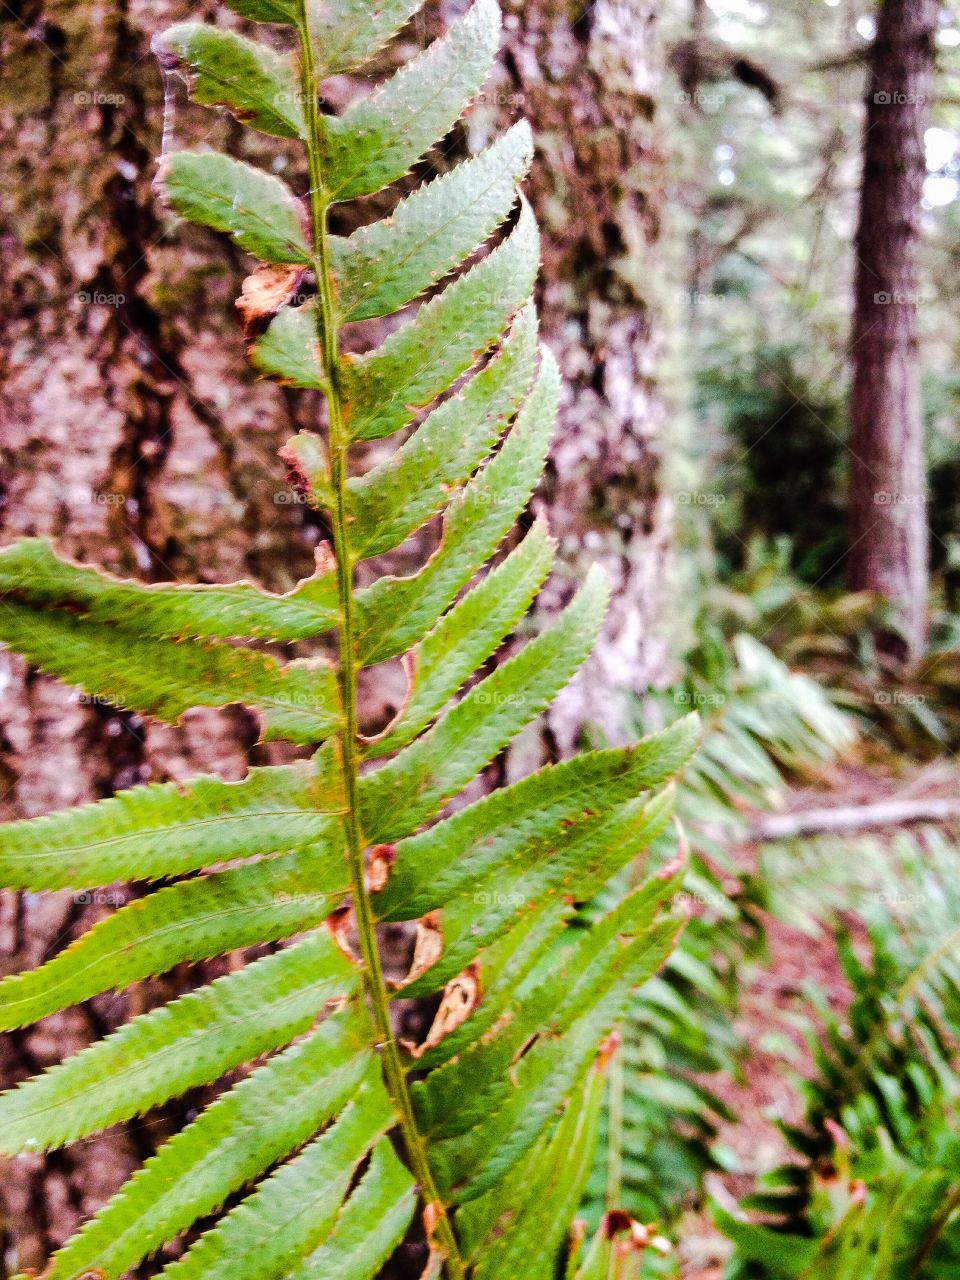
x: 771, y: 1000
x: 774, y: 1009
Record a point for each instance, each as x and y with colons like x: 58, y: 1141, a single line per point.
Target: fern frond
x: 886, y: 1074
x: 165, y: 678
x: 394, y: 613
x: 256, y: 209
x: 300, y: 1155
x: 426, y: 355
x: 586, y: 854
x: 439, y: 863
x: 400, y: 795
x: 200, y: 918
x: 224, y: 69
x: 261, y: 1120
x: 377, y: 139
x: 163, y: 829
x: 371, y: 1223
x: 385, y: 265
x: 394, y: 499
x: 523, y: 1223
x: 465, y: 637
x: 296, y: 1208
x: 32, y: 573
x: 188, y: 1042
x: 349, y: 33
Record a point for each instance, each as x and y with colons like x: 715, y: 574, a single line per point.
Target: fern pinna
x: 326, y: 1146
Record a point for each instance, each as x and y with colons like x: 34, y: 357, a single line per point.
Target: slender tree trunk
x: 889, y: 536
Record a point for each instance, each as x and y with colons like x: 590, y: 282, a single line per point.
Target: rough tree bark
x: 133, y: 432
x: 590, y: 78
x: 889, y: 535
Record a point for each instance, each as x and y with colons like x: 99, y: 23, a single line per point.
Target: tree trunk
x: 589, y: 79
x: 134, y: 434
x: 888, y: 544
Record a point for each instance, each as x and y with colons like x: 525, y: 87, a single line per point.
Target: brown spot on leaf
x: 617, y: 1222
x: 264, y: 292
x: 380, y: 865
x: 343, y: 929
x: 676, y: 864
x: 431, y: 1216
x: 427, y: 949
x: 460, y: 997
x: 608, y: 1049
x: 324, y: 558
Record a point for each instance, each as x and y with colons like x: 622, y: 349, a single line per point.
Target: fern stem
x: 373, y: 980
x: 615, y: 1085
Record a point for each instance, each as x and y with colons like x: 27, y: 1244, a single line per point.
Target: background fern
x: 871, y: 1187
x: 502, y: 1096
x: 761, y: 723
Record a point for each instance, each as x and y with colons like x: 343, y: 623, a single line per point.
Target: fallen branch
x: 855, y: 817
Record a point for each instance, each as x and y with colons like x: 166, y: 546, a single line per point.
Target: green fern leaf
x: 398, y: 797
x: 288, y: 351
x: 297, y: 1207
x: 282, y: 11
x: 200, y: 918
x: 395, y: 498
x: 394, y: 613
x: 224, y: 69
x: 259, y: 1121
x: 376, y: 140
x: 587, y: 855
x: 164, y: 679
x: 425, y: 356
x: 504, y: 1081
x: 189, y: 1042
x: 583, y: 979
x: 371, y: 1223
x: 503, y: 968
x: 349, y: 33
x: 523, y: 1223
x: 441, y: 862
x: 385, y: 265
x: 466, y: 636
x: 32, y: 573
x: 165, y: 830
x: 468, y: 1164
x: 255, y: 208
